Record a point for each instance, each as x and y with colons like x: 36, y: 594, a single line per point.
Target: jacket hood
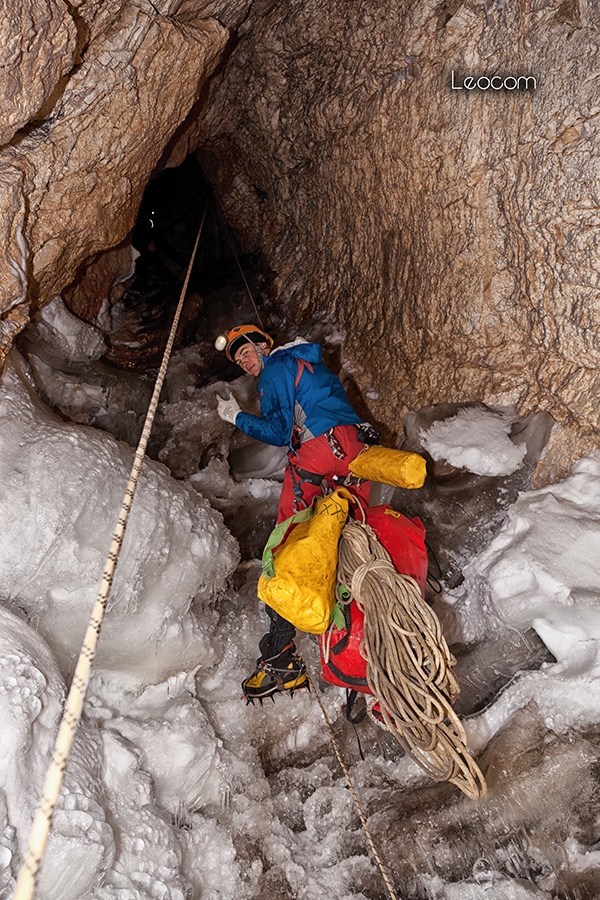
x: 300, y: 349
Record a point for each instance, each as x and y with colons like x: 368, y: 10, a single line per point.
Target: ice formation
x: 63, y: 487
x: 542, y: 571
x: 82, y: 843
x: 476, y: 440
x: 63, y: 355
x: 176, y: 789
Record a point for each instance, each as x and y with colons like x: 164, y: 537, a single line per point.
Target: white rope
x: 409, y: 665
x: 38, y: 838
x: 361, y: 815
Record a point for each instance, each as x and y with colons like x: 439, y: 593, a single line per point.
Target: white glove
x: 228, y: 408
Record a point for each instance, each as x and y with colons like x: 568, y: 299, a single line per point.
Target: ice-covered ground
x: 176, y: 789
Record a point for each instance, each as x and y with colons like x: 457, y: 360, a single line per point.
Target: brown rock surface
x: 454, y: 234
x: 37, y: 46
x: 85, y: 295
x: 73, y: 176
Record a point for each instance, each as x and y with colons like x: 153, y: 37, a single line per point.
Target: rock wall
x: 92, y: 94
x: 453, y: 233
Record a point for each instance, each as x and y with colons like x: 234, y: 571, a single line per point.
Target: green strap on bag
x: 277, y: 537
x: 300, y: 563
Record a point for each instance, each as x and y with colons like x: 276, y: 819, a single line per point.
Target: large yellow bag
x: 388, y: 466
x: 299, y: 578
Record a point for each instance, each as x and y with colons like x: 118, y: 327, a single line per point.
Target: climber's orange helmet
x: 232, y: 340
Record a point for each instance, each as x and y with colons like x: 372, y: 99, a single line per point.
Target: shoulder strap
x: 302, y: 365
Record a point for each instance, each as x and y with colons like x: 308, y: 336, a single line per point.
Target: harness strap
x: 299, y: 475
x: 299, y: 501
x: 311, y: 477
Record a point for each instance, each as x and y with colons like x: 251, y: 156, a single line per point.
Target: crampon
x: 284, y: 673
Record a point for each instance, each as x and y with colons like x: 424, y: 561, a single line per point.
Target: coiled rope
x: 409, y: 665
x: 38, y: 838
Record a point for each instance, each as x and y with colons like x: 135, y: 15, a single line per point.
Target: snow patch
x: 64, y: 485
x: 477, y: 440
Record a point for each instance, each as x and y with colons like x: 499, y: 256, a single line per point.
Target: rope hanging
x: 38, y: 838
x: 361, y: 815
x: 409, y: 665
x: 239, y: 265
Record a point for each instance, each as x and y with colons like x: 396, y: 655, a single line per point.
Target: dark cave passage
x: 226, y: 284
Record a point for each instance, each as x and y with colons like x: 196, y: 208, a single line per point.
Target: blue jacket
x: 296, y: 388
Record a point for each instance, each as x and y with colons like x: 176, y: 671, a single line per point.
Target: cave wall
x: 93, y: 93
x: 452, y: 233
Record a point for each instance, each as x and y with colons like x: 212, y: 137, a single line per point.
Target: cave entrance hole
x: 226, y: 283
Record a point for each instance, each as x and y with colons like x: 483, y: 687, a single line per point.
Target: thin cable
x: 231, y: 244
x: 362, y: 817
x: 38, y: 838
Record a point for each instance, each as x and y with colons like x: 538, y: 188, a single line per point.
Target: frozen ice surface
x: 255, y: 460
x: 82, y: 844
x: 153, y: 744
x: 63, y: 354
x: 176, y: 788
x: 63, y: 486
x: 462, y: 511
x: 542, y: 572
x: 172, y: 731
x: 64, y: 337
x: 477, y: 440
x: 249, y: 507
x: 189, y: 432
x: 181, y: 377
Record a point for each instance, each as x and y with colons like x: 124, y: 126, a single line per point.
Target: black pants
x: 279, y: 635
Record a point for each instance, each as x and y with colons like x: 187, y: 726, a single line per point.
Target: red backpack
x: 404, y: 539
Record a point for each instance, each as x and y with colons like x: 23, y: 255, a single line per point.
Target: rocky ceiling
x: 386, y: 159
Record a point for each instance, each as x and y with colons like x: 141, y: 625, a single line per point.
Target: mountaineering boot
x: 284, y: 672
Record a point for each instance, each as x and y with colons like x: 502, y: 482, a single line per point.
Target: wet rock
x: 450, y: 232
x: 86, y: 296
x: 73, y: 180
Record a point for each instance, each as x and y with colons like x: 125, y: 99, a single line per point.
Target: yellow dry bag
x: 388, y: 466
x: 299, y: 577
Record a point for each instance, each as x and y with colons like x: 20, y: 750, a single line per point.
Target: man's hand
x: 227, y: 408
